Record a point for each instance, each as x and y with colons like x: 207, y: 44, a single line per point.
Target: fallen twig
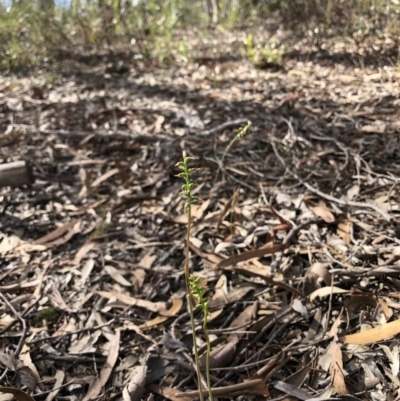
x: 23, y: 325
x: 330, y: 197
x: 70, y: 333
x: 223, y: 391
x: 23, y: 336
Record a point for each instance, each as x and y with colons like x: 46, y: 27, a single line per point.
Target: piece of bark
x: 16, y: 174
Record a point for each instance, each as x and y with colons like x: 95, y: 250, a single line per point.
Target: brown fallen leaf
x: 256, y: 253
x: 255, y: 271
x: 31, y: 375
x: 386, y: 309
x: 25, y: 376
x: 321, y: 270
x: 378, y: 127
x: 235, y: 295
x: 221, y: 289
x: 209, y: 257
x: 374, y: 335
x: 8, y: 243
x: 134, y: 389
x: 169, y: 393
x: 117, y: 276
x: 173, y: 311
x: 324, y: 213
x: 17, y: 393
x: 85, y: 248
x: 138, y: 330
x: 62, y: 235
x: 298, y: 378
x: 283, y: 221
x: 316, y: 270
x: 291, y: 390
x: 248, y: 387
x: 85, y: 344
x: 326, y: 292
x: 57, y: 298
x: 104, y: 177
x: 358, y: 300
x: 227, y: 207
x: 159, y: 307
x: 59, y: 376
x: 8, y: 360
x: 336, y: 369
x: 344, y: 229
x: 147, y: 260
x: 24, y: 286
x: 220, y: 356
x: 246, y: 317
x: 61, y: 330
x: 86, y: 270
x: 98, y: 383
x: 335, y: 326
x: 130, y: 201
x: 198, y: 210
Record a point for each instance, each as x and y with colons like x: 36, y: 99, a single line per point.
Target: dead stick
x: 330, y: 197
x: 222, y: 391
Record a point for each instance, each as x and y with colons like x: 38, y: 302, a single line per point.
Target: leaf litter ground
x: 296, y: 234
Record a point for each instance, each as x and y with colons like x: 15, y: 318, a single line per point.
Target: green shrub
x: 264, y: 56
x: 31, y: 38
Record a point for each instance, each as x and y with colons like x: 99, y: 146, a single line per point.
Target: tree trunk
x: 215, y: 12
x: 46, y: 5
x: 211, y: 8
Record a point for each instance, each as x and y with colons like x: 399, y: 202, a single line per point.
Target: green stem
x: 191, y: 306
x: 208, y: 355
x: 238, y: 136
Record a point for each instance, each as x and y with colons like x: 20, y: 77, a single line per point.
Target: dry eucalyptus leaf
x: 386, y: 309
x: 221, y: 356
x: 291, y: 390
x: 127, y: 300
x: 356, y: 301
x: 26, y: 378
x: 147, y: 260
x: 221, y: 290
x: 233, y: 296
x: 134, y: 389
x: 117, y: 276
x: 393, y: 356
x: 8, y: 360
x: 169, y: 393
x: 324, y: 213
x: 336, y: 369
x: 247, y: 316
x: 374, y: 335
x: 86, y: 270
x: 172, y: 311
x: 86, y: 344
x: 30, y: 374
x: 60, y: 375
x: 344, y: 230
x: 326, y: 292
x: 104, y: 177
x: 82, y: 252
x: 17, y: 393
x: 98, y: 383
x: 317, y: 270
x: 60, y: 235
x: 257, y: 253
